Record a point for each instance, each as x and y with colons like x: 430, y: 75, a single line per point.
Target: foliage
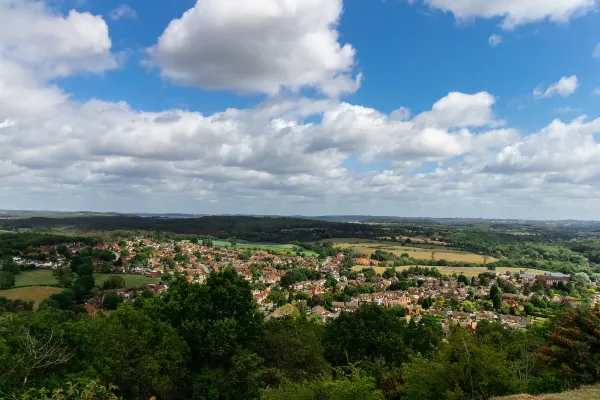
x: 7, y: 280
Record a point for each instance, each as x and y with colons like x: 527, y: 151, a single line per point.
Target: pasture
x: 423, y: 252
x: 35, y: 277
x: 467, y: 271
x: 270, y: 247
x: 35, y: 293
x: 132, y: 281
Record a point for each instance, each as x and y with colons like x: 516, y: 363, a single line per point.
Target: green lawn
x: 39, y: 277
x: 132, y: 281
x: 44, y: 277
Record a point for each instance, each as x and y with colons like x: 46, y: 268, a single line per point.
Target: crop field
x: 37, y: 277
x: 468, y: 272
x: 425, y: 252
x: 132, y: 281
x: 35, y: 293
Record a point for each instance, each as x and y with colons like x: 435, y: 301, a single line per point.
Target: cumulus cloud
x: 54, y: 45
x: 494, y: 40
x: 515, y: 12
x: 122, y: 11
x: 259, y: 46
x: 565, y: 87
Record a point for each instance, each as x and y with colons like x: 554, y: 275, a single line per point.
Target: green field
x: 270, y: 247
x: 44, y: 277
x: 39, y: 277
x: 132, y: 281
x: 35, y: 293
x: 468, y: 272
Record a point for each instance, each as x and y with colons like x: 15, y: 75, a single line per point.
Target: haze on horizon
x: 436, y: 108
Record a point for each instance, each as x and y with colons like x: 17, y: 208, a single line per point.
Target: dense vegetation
x: 247, y: 228
x: 210, y: 342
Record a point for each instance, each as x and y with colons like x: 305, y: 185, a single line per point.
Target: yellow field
x: 35, y: 293
x: 468, y: 272
x: 585, y: 393
x: 424, y: 252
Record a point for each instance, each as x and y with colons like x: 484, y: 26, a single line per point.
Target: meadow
x: 466, y: 271
x: 270, y: 247
x: 35, y: 293
x: 36, y: 277
x: 132, y: 281
x: 422, y: 252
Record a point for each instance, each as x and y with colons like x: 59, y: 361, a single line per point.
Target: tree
x: 7, y: 280
x: 106, y: 268
x: 573, y: 347
x: 497, y: 301
x: 468, y: 306
x: 65, y: 299
x: 232, y: 240
x: 494, y: 291
x: 11, y: 266
x: 81, y: 390
x: 114, y: 282
x: 64, y: 276
x: 277, y: 297
x: 111, y: 301
x: 294, y: 348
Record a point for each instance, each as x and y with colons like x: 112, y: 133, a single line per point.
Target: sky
x: 429, y: 108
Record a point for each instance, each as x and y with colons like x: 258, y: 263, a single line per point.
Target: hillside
x: 586, y: 393
x: 256, y: 229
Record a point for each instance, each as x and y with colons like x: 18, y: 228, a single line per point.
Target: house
x: 527, y: 276
x: 550, y: 278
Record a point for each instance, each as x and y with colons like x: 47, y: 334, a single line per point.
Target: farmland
x: 422, y: 252
x: 467, y: 271
x: 35, y: 293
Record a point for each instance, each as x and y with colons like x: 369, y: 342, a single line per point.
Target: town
x: 287, y: 282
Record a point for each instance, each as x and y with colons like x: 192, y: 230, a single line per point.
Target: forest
x: 211, y: 342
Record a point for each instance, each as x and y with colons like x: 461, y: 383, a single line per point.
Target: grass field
x: 585, y: 393
x: 270, y: 247
x: 35, y: 293
x: 132, y: 281
x: 39, y: 277
x: 424, y: 252
x: 44, y: 277
x: 468, y: 272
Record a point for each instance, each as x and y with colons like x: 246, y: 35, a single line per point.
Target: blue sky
x: 289, y: 107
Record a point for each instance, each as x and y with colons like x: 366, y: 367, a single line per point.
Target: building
x: 551, y: 278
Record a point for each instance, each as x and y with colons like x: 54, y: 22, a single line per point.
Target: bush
x: 7, y: 280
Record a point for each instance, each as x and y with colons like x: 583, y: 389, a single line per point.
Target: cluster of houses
x: 196, y: 262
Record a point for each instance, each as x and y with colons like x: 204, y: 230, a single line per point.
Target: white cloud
x: 460, y: 110
x: 515, y: 12
x: 54, y: 45
x: 258, y: 46
x: 495, y: 40
x: 122, y: 11
x: 596, y: 91
x: 566, y: 86
x: 596, y: 52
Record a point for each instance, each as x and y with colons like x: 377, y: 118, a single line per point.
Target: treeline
x: 211, y: 342
x: 247, y: 228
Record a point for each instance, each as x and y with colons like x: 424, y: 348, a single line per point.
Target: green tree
x: 114, y: 282
x: 112, y: 301
x: 293, y: 347
x: 7, y: 280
